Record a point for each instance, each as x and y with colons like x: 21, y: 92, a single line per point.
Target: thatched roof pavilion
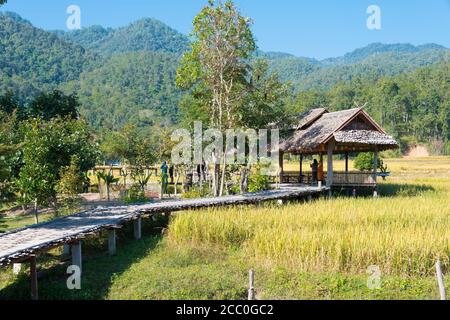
x: 320, y: 132
x: 351, y: 131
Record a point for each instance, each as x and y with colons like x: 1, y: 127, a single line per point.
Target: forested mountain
x: 89, y: 38
x: 142, y: 35
x: 32, y: 59
x: 127, y: 75
x: 136, y: 87
x: 371, y: 62
x: 375, y: 49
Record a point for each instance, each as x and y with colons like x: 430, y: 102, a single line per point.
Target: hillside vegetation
x: 127, y: 75
x: 143, y: 35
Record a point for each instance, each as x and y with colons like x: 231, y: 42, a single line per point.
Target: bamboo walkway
x: 21, y: 244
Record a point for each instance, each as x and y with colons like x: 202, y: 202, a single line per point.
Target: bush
x: 135, y: 195
x: 197, y: 192
x: 258, y: 182
x: 364, y: 162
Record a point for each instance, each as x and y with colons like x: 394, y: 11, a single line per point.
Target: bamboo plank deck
x: 18, y: 245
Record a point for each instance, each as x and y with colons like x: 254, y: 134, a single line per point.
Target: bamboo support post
x: 440, y: 279
x: 34, y: 278
x: 251, y: 290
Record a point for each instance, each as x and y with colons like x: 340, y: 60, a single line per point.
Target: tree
x: 130, y: 145
x: 10, y: 154
x: 8, y: 103
x: 264, y: 102
x: 2, y: 2
x: 222, y: 43
x: 218, y: 61
x: 54, y: 104
x: 70, y: 183
x: 37, y: 177
x: 48, y: 146
x: 133, y: 148
x: 109, y: 179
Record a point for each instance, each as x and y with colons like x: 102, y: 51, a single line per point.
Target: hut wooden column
x: 330, y: 149
x: 301, y: 169
x: 346, y: 162
x: 281, y: 163
x: 346, y: 167
x: 375, y: 169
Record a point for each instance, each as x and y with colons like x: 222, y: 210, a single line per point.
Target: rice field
x: 403, y: 232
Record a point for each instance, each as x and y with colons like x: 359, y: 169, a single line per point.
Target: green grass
x: 11, y: 223
x: 318, y: 250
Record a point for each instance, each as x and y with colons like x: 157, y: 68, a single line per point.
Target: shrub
x: 135, y: 195
x: 258, y: 181
x: 197, y: 192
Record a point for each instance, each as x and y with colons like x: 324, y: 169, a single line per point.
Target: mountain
x: 142, y: 35
x: 371, y: 62
x: 378, y: 49
x: 89, y: 38
x: 136, y: 87
x: 32, y: 59
x: 127, y: 74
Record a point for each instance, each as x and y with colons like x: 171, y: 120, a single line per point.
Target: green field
x: 315, y: 250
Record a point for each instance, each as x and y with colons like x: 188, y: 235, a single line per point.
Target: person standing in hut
x: 320, y: 174
x: 314, y: 168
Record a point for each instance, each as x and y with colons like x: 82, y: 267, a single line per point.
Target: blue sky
x: 314, y: 28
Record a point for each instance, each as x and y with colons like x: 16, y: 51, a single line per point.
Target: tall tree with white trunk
x: 222, y: 44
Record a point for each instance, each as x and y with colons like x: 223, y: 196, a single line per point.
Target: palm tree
x: 109, y: 179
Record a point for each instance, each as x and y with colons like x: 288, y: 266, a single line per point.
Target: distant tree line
x: 414, y: 107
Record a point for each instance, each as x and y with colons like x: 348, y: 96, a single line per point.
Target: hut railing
x: 352, y: 178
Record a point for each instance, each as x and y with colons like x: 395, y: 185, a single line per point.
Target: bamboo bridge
x: 23, y: 245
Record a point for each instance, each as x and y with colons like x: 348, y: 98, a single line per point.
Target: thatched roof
x: 352, y: 130
x: 309, y: 117
x: 368, y: 137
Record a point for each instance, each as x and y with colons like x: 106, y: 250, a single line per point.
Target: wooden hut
x: 320, y: 132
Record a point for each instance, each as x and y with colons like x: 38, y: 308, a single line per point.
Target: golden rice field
x: 403, y: 232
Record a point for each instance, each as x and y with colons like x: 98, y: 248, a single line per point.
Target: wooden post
x: 34, y: 279
x: 330, y: 165
x: 346, y: 167
x: 112, y: 247
x: 346, y: 163
x: 301, y: 168
x: 375, y: 169
x: 77, y: 259
x: 137, y: 228
x: 251, y: 290
x: 440, y: 279
x: 281, y: 167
